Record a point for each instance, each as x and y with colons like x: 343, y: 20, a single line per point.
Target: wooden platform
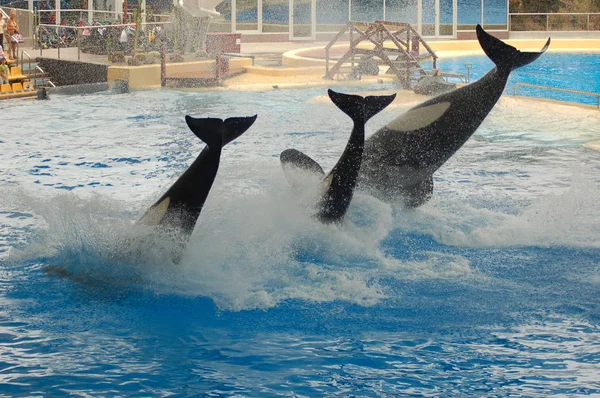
x: 20, y: 95
x: 397, y: 45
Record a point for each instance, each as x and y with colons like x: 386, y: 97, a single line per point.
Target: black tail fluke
x: 210, y: 130
x: 504, y: 56
x: 216, y: 132
x: 360, y: 109
x: 236, y: 126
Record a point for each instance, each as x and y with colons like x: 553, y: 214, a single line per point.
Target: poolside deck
x: 302, y: 64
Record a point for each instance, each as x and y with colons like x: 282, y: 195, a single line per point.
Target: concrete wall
x: 148, y: 76
x: 78, y: 89
x: 143, y: 76
x: 66, y: 73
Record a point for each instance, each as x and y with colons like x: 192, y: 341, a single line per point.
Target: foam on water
x: 248, y: 251
x: 488, y: 288
x: 567, y: 218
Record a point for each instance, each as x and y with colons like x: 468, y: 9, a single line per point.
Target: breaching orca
x: 181, y: 205
x: 400, y: 158
x: 338, y: 186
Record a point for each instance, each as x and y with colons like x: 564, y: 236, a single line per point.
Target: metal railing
x: 563, y: 90
x: 91, y: 15
x: 23, y: 54
x: 36, y: 69
x: 78, y: 34
x: 561, y: 21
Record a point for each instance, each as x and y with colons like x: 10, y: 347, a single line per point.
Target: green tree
x: 551, y: 6
x: 542, y: 6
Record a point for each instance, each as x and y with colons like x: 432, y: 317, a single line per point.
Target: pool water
x: 572, y: 71
x: 490, y: 289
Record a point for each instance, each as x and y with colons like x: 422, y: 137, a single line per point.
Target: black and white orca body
x: 400, y: 158
x: 338, y: 186
x: 181, y: 205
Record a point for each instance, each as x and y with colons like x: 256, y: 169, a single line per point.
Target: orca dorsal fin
x: 506, y: 57
x: 360, y: 109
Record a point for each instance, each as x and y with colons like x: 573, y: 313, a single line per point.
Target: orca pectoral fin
x: 292, y: 161
x: 418, y: 194
x: 295, y: 158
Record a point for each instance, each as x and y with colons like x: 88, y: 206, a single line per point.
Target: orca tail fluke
x: 504, y: 56
x: 208, y: 129
x: 216, y: 132
x: 376, y: 103
x: 360, y: 108
x: 236, y: 126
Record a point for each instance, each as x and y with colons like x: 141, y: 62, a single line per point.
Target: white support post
x: 118, y: 10
x: 482, y: 1
x: 57, y: 10
x: 314, y: 19
x: 233, y: 15
x: 349, y: 10
x: 437, y: 18
x: 32, y: 28
x: 143, y: 15
x: 420, y: 17
x: 259, y: 16
x: 290, y: 19
x: 90, y: 7
x: 454, y: 19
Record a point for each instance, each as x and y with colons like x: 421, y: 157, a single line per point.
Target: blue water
x: 573, y: 71
x: 490, y: 289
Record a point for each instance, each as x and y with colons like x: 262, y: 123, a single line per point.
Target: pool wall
x: 148, y: 76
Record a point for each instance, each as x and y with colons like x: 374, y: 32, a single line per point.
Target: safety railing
x: 33, y: 73
x: 23, y: 54
x: 61, y: 43
x: 554, y: 22
x: 563, y: 90
x: 91, y: 15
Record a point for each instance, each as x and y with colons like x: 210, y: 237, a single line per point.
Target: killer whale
x: 338, y: 186
x: 180, y: 206
x: 400, y: 158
